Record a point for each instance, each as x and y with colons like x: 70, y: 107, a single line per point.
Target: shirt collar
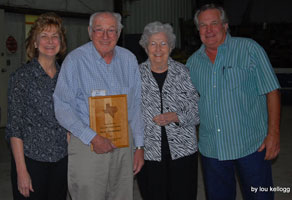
x: 148, y: 63
x: 223, y: 45
x: 226, y: 41
x: 96, y: 53
x: 38, y: 69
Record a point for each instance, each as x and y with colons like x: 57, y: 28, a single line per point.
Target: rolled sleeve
x: 16, y: 109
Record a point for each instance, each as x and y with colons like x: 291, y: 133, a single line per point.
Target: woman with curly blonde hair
x: 38, y: 142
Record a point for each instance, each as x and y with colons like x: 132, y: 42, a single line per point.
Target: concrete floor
x: 282, y: 166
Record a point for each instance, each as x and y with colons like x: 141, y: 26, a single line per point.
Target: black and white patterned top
x: 31, y: 114
x: 179, y: 96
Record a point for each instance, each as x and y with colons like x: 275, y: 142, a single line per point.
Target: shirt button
x: 214, y: 86
x: 214, y: 72
x: 218, y: 130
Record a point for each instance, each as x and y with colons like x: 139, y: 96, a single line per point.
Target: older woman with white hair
x: 170, y: 113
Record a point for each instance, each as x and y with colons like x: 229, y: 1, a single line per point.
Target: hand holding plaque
x: 109, y: 118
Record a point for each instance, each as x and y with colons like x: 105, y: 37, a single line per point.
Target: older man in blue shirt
x: 239, y: 109
x: 100, y: 67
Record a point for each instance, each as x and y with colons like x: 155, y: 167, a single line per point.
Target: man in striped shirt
x: 239, y: 109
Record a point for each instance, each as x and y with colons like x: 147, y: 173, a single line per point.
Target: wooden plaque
x: 109, y: 118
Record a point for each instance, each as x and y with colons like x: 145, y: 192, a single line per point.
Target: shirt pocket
x: 234, y: 77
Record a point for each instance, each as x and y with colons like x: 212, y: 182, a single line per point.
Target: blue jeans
x: 254, y: 172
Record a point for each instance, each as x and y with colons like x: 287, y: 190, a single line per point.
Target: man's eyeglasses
x: 110, y: 32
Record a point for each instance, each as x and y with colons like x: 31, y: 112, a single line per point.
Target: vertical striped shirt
x: 84, y: 71
x: 232, y: 105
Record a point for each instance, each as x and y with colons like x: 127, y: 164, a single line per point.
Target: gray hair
x: 117, y: 16
x: 223, y: 15
x: 157, y: 27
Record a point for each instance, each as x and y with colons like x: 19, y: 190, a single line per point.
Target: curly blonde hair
x: 45, y: 21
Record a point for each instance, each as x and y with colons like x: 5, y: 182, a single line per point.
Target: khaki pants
x: 94, y: 176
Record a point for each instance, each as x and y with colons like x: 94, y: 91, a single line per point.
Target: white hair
x: 157, y: 27
x: 117, y: 16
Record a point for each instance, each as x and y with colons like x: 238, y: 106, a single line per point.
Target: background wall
x: 77, y: 6
x: 140, y: 13
x: 258, y: 11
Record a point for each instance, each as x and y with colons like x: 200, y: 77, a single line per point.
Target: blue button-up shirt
x: 232, y: 105
x: 84, y: 71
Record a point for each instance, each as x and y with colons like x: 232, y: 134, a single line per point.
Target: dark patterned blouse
x: 31, y: 114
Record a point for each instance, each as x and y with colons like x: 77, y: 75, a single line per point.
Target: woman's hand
x: 165, y: 118
x: 68, y: 137
x: 24, y: 183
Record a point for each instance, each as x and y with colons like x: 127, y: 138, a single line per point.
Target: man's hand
x: 272, y: 145
x: 165, y: 118
x: 102, y: 145
x: 138, y: 160
x: 272, y: 141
